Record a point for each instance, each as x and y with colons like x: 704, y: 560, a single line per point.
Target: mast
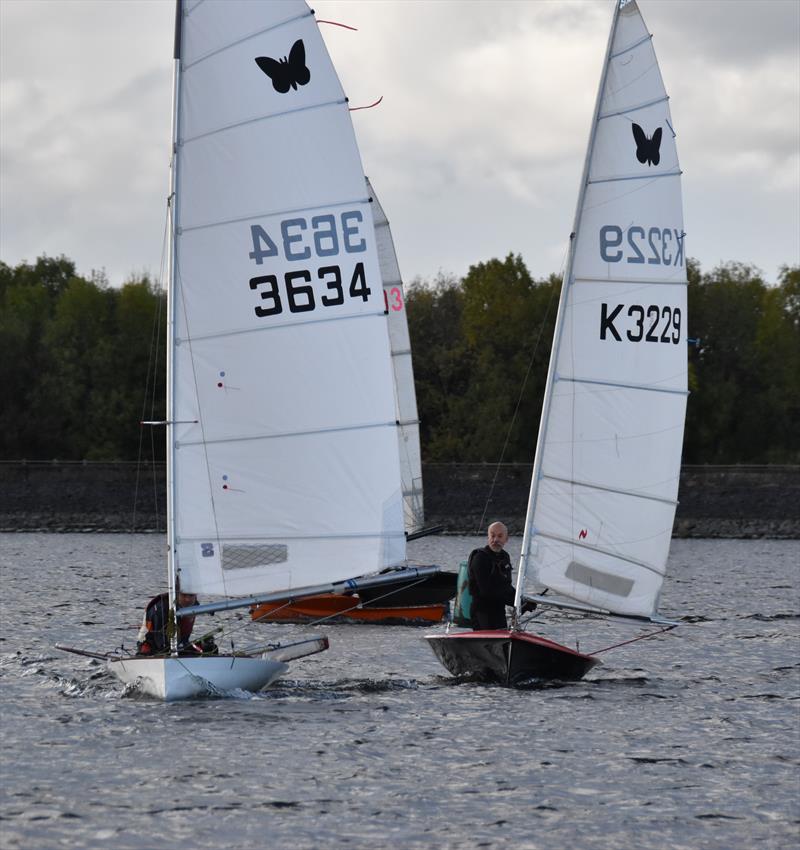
x: 566, y: 283
x: 170, y: 412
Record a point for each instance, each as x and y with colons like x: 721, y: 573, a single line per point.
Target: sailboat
x: 424, y: 601
x: 402, y: 368
x: 283, y: 467
x: 605, y: 477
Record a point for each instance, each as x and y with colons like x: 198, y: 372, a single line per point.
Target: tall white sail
x: 405, y: 394
x: 285, y: 467
x: 607, y: 466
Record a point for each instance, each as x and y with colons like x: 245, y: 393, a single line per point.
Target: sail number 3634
x: 324, y: 237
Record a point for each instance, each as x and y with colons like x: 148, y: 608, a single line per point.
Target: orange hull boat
x: 347, y: 609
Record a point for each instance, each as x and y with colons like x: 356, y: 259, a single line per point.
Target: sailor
x: 490, y: 581
x: 153, y: 635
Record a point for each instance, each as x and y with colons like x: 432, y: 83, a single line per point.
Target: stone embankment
x: 714, y: 501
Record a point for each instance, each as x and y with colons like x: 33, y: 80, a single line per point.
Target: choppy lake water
x: 690, y: 739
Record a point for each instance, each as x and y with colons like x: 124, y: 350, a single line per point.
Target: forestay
x: 285, y: 457
x: 606, y: 473
x: 405, y: 394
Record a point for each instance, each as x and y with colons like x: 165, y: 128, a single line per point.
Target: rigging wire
x: 516, y: 410
x: 149, y: 394
x: 633, y: 640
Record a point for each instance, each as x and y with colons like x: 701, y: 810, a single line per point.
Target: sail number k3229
x: 639, y: 323
x: 654, y: 246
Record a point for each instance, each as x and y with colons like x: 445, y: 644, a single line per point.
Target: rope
x: 337, y: 24
x: 516, y: 411
x: 369, y: 106
x: 626, y: 642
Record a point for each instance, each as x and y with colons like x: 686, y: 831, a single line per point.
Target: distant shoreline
x: 738, y: 502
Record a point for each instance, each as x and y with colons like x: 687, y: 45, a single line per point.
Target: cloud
x: 475, y: 151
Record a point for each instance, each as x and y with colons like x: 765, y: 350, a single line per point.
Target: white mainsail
x: 607, y: 466
x: 284, y: 457
x: 405, y: 394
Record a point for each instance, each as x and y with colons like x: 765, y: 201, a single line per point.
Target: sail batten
x: 273, y: 213
x: 289, y: 434
x: 244, y: 38
x: 628, y: 177
x: 576, y: 379
x: 634, y: 108
x: 630, y: 47
x: 600, y: 551
x: 589, y: 485
x: 374, y: 535
x: 607, y: 465
x: 226, y: 334
x: 636, y: 281
x: 257, y: 118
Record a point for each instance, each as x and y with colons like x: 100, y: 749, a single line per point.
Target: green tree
x: 75, y: 356
x: 481, y: 348
x: 777, y: 345
x: 77, y: 340
x: 442, y: 363
x: 508, y: 324
x: 744, y: 370
x: 131, y: 383
x: 28, y: 298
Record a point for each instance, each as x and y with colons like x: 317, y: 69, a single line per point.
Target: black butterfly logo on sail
x: 287, y: 73
x: 647, y: 149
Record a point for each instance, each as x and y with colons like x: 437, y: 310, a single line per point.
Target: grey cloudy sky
x: 475, y: 151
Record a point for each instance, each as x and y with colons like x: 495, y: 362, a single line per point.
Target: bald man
x: 490, y: 580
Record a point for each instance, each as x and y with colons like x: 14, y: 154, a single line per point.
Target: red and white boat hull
x: 509, y: 657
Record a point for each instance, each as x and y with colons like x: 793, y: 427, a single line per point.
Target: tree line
x: 77, y: 360
x: 482, y: 344
x: 82, y: 363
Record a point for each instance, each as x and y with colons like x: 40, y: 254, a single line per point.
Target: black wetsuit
x: 490, y: 587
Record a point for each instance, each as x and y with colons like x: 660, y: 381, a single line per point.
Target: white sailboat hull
x: 179, y: 678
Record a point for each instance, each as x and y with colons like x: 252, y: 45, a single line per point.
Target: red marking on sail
x: 337, y: 24
x: 356, y: 108
x: 582, y: 534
